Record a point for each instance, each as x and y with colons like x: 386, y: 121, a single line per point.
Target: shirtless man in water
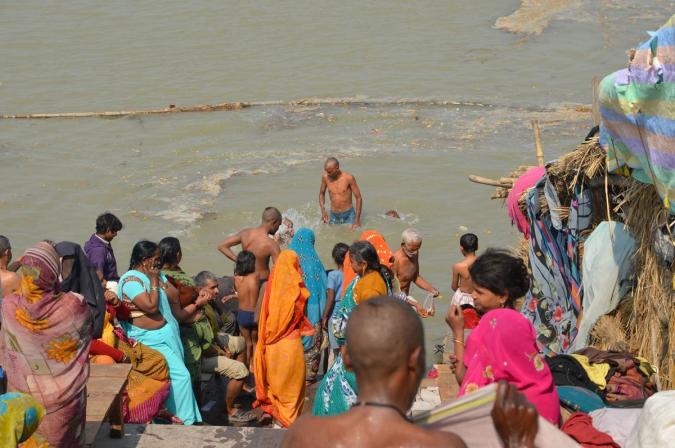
x: 257, y: 240
x: 406, y: 263
x: 385, y: 349
x: 461, y: 280
x: 341, y: 186
x: 9, y: 281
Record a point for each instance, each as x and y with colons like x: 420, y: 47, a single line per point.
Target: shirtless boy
x: 461, y: 280
x: 406, y: 264
x: 247, y: 287
x: 9, y: 281
x: 257, y: 240
x: 341, y: 186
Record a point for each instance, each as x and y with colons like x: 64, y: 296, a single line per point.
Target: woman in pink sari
x: 46, y: 337
x: 503, y: 347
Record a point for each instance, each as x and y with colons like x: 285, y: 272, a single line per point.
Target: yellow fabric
x: 108, y: 336
x: 646, y: 367
x: 596, y: 372
x: 370, y: 285
x: 278, y: 361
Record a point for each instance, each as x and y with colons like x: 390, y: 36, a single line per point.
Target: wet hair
x: 245, y: 264
x: 203, y: 277
x: 142, y: 251
x: 169, y: 248
x: 339, y: 253
x: 363, y: 251
x: 4, y: 245
x: 381, y: 335
x: 332, y: 160
x: 469, y: 242
x: 271, y: 214
x: 500, y: 272
x: 108, y: 222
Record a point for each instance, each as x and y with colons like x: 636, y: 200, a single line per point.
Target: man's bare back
x: 257, y: 240
x: 9, y: 283
x: 366, y: 427
x: 461, y: 279
x: 263, y: 247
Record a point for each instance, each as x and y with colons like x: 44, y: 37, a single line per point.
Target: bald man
x: 259, y: 240
x: 385, y: 348
x: 341, y: 186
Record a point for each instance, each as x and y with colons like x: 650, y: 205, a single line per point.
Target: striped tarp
x: 637, y: 105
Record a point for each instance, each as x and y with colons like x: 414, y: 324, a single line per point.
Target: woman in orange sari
x: 279, y: 362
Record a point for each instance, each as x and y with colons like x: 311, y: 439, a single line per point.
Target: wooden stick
x: 490, y: 182
x: 537, y: 142
x: 126, y: 113
x: 596, y: 100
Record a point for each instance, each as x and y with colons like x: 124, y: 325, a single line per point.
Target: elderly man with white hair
x: 406, y: 264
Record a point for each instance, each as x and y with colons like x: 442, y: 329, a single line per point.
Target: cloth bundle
x: 619, y: 379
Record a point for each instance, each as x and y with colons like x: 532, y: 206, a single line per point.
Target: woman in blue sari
x: 314, y: 276
x: 143, y: 290
x: 337, y: 391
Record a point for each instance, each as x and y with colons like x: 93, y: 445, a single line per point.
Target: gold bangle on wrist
x: 459, y: 341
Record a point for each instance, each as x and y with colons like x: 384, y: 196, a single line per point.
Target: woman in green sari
x: 337, y: 391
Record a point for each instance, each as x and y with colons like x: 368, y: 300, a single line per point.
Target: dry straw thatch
x: 644, y: 323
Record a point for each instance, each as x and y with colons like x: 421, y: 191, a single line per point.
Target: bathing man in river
x: 340, y: 187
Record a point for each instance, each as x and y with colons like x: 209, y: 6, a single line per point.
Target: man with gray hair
x: 9, y: 281
x: 224, y: 353
x: 406, y: 264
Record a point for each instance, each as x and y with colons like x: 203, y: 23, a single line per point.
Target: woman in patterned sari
x: 46, y: 336
x: 337, y: 391
x: 314, y: 276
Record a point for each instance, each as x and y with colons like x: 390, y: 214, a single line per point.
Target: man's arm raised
x: 359, y: 202
x: 322, y: 200
x: 226, y: 246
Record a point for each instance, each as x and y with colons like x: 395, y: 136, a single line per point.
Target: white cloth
x: 618, y: 423
x: 656, y: 425
x: 461, y: 298
x: 608, y: 253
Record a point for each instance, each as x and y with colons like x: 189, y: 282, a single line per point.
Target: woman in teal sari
x: 337, y: 391
x: 143, y: 289
x: 314, y: 276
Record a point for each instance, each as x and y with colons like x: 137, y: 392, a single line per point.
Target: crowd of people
x: 270, y: 329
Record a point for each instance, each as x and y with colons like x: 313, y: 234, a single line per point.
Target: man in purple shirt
x: 98, y: 247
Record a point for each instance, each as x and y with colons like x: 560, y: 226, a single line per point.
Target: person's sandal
x: 241, y: 416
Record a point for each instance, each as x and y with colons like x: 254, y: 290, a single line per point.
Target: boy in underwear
x: 461, y: 280
x: 247, y: 286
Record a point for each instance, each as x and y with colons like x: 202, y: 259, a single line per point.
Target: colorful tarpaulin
x: 637, y: 105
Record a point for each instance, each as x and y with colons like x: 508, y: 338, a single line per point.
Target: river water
x: 202, y: 176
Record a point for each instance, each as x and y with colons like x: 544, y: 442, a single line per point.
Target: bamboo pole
x: 537, y: 143
x: 302, y: 102
x: 596, y: 100
x: 490, y: 182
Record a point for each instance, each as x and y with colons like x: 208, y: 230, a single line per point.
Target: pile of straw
x: 644, y: 323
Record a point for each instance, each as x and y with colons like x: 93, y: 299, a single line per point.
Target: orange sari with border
x: 279, y: 362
